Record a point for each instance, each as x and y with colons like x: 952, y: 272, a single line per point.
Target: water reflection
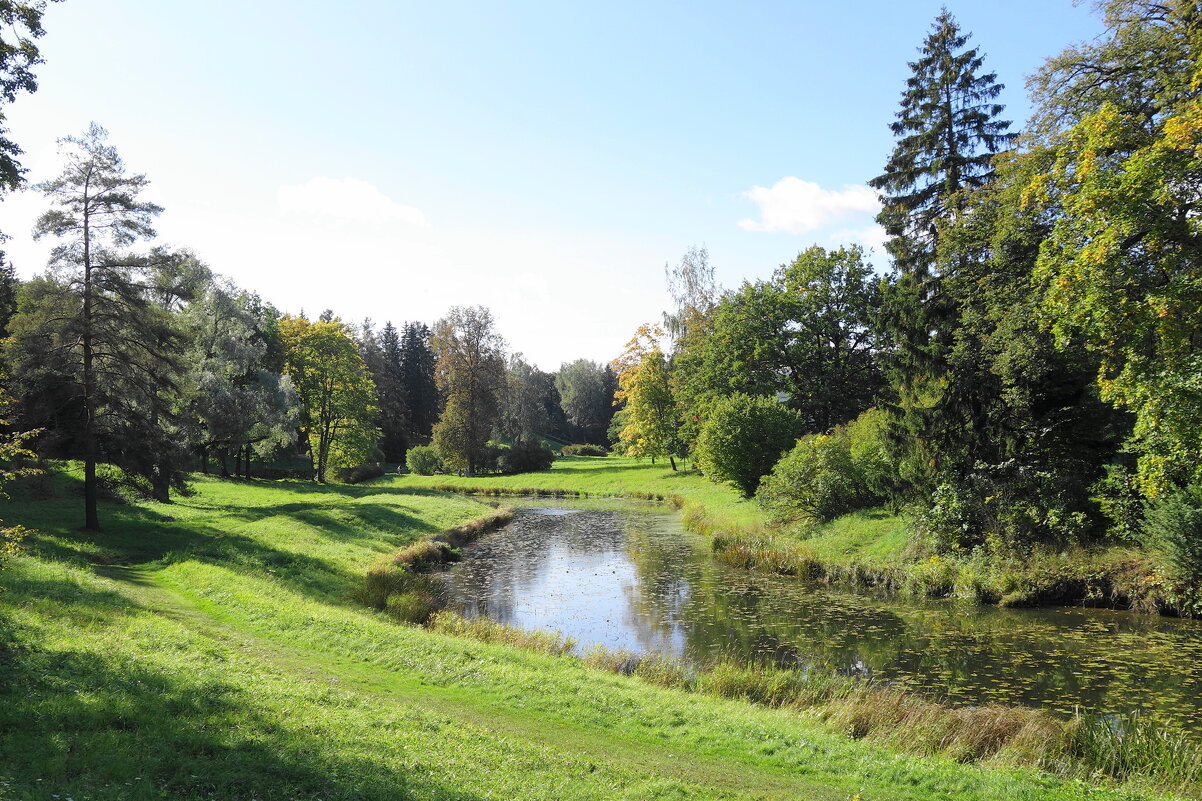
x: 624, y: 574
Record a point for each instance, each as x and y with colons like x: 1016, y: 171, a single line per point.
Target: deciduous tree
x: 335, y: 390
x: 470, y: 370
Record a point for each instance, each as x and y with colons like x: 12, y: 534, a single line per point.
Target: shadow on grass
x: 77, y: 723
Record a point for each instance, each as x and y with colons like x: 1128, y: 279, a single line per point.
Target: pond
x: 625, y: 574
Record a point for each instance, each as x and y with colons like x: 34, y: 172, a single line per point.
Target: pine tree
x: 101, y: 319
x: 948, y: 134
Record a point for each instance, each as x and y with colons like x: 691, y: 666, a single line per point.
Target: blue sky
x: 391, y: 159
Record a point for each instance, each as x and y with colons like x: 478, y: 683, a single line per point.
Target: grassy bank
x: 211, y: 649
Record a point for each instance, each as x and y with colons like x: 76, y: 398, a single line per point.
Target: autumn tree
x: 335, y: 390
x: 649, y: 411
x: 1122, y: 267
x: 470, y: 371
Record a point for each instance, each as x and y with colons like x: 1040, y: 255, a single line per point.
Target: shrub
x: 355, y: 475
x: 423, y: 460
x: 743, y: 438
x: 1173, y: 528
x: 870, y: 452
x: 584, y: 450
x: 525, y: 456
x: 816, y: 481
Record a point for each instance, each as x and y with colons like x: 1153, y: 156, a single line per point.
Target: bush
x: 743, y: 438
x: 584, y: 450
x: 814, y: 482
x: 525, y: 456
x: 423, y: 460
x: 1173, y: 528
x: 355, y: 475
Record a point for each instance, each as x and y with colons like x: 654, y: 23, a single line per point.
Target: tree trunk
x: 672, y: 459
x: 91, y: 490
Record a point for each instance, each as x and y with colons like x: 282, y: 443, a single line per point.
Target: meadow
x: 213, y: 648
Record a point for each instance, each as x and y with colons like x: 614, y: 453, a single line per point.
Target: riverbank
x: 211, y: 648
x: 867, y: 548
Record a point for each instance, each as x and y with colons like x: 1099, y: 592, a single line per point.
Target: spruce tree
x: 417, y: 376
x: 948, y: 132
x: 387, y: 372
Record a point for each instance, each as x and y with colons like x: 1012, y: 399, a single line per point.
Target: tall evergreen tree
x: 101, y: 317
x: 417, y: 376
x: 948, y: 132
x: 8, y: 293
x: 387, y: 372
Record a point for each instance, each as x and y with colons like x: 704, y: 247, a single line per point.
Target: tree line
x: 138, y: 356
x: 1030, y: 368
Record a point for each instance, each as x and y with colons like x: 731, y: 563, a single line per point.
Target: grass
x: 609, y: 475
x: 212, y: 649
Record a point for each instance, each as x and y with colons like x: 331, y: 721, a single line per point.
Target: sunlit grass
x: 211, y: 648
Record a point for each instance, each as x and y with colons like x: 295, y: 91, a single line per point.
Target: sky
x: 389, y: 160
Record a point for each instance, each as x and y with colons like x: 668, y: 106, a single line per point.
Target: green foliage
x: 525, y: 456
x: 743, y: 438
x: 383, y: 357
x: 827, y: 475
x: 586, y: 393
x: 470, y: 371
x: 99, y: 333
x: 1119, y: 270
x: 1173, y: 529
x: 806, y: 334
x: 649, y: 416
x: 19, y: 54
x: 335, y: 389
x: 584, y: 450
x: 1006, y: 508
x: 12, y: 453
x: 423, y: 460
x: 418, y: 383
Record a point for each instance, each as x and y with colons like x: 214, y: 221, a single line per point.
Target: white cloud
x: 873, y: 237
x: 346, y: 200
x: 798, y: 206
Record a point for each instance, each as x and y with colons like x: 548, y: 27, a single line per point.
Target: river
x: 625, y: 574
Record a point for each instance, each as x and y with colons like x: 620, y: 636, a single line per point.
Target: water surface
x: 625, y: 574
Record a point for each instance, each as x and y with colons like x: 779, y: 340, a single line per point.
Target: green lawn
x: 610, y: 475
x: 208, y: 649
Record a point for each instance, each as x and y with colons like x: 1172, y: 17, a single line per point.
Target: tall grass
x: 402, y: 586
